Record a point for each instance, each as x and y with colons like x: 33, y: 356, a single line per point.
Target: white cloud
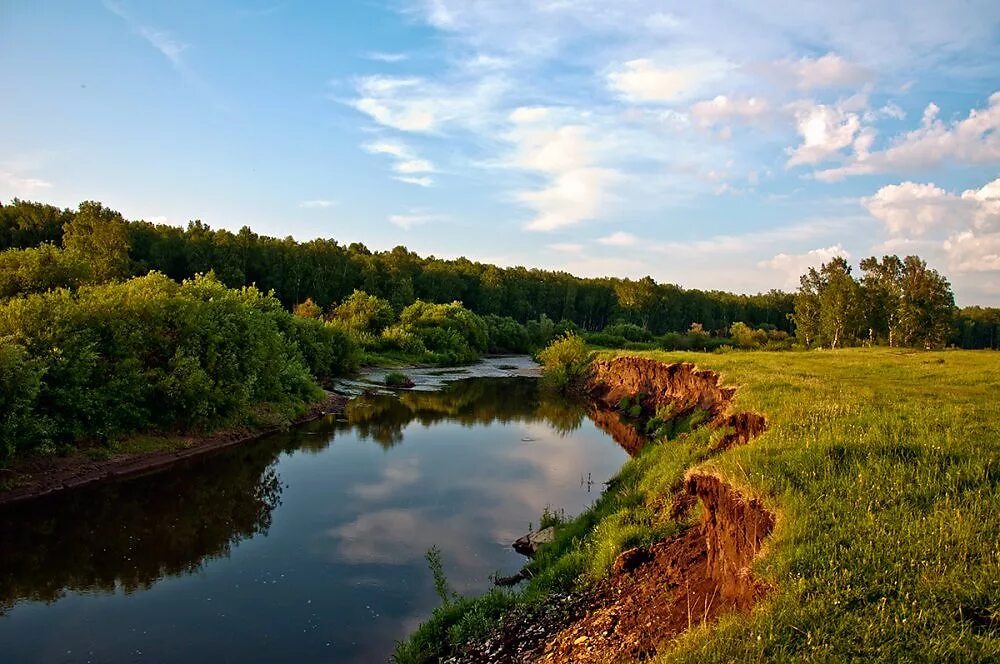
x: 792, y: 266
x: 566, y: 247
x: 828, y: 71
x: 406, y: 162
x: 161, y: 40
x: 419, y: 105
x: 414, y: 166
x: 164, y: 43
x: 966, y: 226
x: 973, y: 140
x: 528, y: 114
x: 968, y: 252
x: 381, y: 56
x: 723, y: 109
x: 23, y: 185
x: 570, y: 198
x: 825, y: 131
x: 420, y: 181
x: 576, y: 187
x: 412, y: 219
x: 912, y: 209
x: 618, y: 239
x: 318, y: 203
x: 642, y: 80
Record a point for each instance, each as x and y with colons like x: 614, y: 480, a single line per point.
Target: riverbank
x: 143, y: 453
x: 137, y: 455
x: 860, y: 520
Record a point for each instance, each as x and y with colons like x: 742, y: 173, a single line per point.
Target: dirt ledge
x: 45, y: 476
x: 654, y: 594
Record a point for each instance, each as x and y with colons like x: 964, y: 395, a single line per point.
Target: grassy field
x: 883, y: 468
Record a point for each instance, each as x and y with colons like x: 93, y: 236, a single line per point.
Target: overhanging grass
x: 883, y: 468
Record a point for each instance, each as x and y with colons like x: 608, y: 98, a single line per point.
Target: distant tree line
x: 327, y: 272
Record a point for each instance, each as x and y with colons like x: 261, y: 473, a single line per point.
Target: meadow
x: 882, y: 468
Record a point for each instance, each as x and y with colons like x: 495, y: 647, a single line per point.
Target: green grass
x: 883, y: 468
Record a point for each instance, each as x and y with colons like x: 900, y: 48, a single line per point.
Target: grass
x: 883, y: 468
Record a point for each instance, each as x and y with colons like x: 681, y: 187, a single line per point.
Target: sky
x: 713, y: 144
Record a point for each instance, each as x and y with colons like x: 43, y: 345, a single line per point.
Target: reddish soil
x: 653, y: 594
x: 680, y: 385
x: 39, y: 477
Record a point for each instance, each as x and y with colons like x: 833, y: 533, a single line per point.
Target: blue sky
x: 707, y: 144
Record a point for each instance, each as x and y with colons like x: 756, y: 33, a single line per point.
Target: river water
x: 304, y: 546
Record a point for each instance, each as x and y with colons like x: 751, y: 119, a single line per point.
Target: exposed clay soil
x: 39, y: 477
x: 652, y: 594
x: 681, y: 385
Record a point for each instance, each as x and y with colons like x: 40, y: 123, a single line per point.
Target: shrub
x: 564, y: 361
x: 361, y: 312
x: 398, y: 379
x: 151, y: 353
x: 506, y: 335
x: 24, y: 271
x: 629, y: 332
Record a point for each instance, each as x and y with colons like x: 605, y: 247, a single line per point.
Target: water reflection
x: 382, y: 418
x: 127, y: 535
x: 305, y: 546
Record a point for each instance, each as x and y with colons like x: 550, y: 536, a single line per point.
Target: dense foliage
x: 564, y: 361
x: 896, y: 302
x: 106, y: 360
x: 328, y: 272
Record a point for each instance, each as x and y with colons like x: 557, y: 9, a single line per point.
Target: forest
x: 110, y: 327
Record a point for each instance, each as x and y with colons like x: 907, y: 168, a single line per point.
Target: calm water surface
x: 306, y: 546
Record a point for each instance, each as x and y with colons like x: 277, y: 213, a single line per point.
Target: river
x: 304, y: 546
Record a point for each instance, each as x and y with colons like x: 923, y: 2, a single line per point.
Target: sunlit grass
x: 882, y: 467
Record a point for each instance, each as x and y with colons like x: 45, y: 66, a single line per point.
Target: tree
x: 880, y: 288
x: 840, y: 313
x: 807, y: 307
x: 362, y: 312
x: 926, y: 305
x: 308, y: 309
x: 99, y: 236
x: 39, y: 269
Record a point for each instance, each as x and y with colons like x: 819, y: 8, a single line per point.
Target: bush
x: 24, y: 271
x: 564, y: 361
x: 109, y: 360
x: 506, y: 335
x: 20, y: 384
x: 629, y: 332
x: 361, y: 312
x: 451, y: 319
x: 605, y: 340
x: 398, y: 379
x: 328, y: 349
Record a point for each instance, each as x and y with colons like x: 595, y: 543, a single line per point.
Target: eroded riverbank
x: 664, y: 549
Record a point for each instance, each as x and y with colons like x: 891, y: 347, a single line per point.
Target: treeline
x: 896, y: 302
x: 326, y: 272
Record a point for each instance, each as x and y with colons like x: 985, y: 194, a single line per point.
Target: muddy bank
x: 33, y: 478
x: 653, y: 594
